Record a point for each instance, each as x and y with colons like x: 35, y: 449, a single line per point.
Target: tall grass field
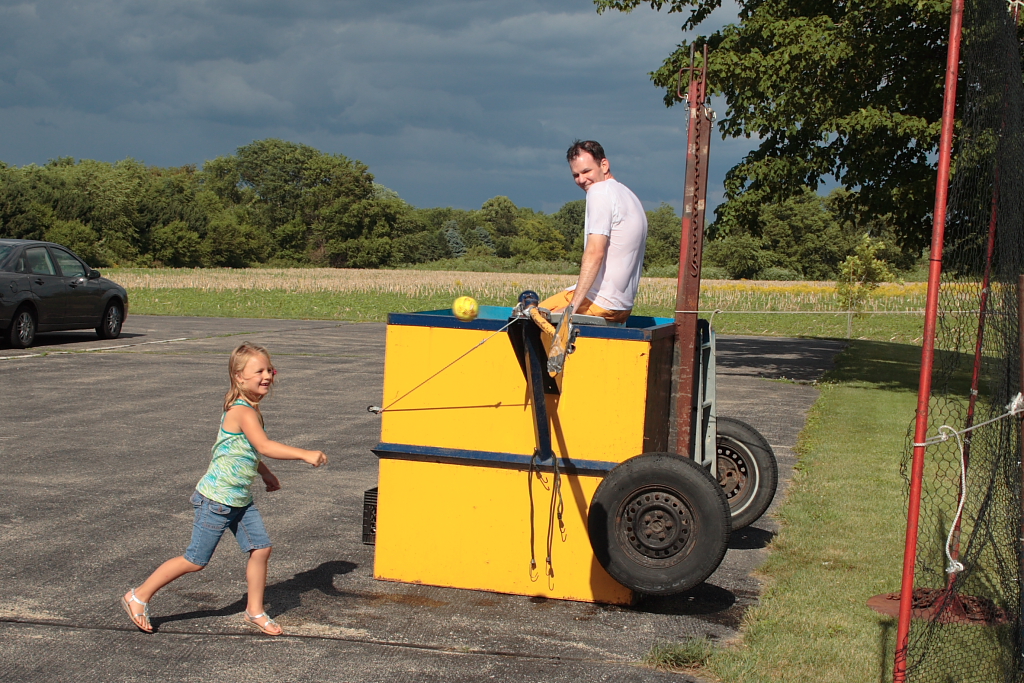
x: 892, y: 313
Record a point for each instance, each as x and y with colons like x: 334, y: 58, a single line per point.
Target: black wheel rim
x: 113, y: 320
x: 26, y: 327
x: 656, y: 526
x: 736, y: 474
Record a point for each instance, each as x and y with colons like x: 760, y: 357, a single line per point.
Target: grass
x: 841, y: 540
x: 756, y: 308
x: 685, y: 656
x: 841, y: 533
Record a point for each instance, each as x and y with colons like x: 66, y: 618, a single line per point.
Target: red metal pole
x: 690, y: 250
x: 928, y: 345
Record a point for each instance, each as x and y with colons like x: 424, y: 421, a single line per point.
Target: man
x: 615, y: 234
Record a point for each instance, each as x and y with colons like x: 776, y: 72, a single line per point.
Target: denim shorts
x: 213, y: 518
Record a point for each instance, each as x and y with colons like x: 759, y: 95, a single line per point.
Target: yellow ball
x: 466, y: 308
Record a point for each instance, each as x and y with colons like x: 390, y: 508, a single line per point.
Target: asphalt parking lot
x: 102, y: 442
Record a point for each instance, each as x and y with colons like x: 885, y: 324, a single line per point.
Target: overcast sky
x: 449, y: 102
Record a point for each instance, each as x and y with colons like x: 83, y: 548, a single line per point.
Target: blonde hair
x: 239, y: 358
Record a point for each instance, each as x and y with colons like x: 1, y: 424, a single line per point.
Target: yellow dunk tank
x: 465, y: 499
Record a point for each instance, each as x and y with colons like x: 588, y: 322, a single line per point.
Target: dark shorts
x: 213, y: 518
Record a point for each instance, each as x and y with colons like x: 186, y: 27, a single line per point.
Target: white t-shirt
x: 613, y: 210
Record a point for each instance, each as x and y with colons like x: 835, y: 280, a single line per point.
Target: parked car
x: 45, y: 287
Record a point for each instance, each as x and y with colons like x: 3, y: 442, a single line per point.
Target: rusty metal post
x: 691, y: 246
x: 924, y: 390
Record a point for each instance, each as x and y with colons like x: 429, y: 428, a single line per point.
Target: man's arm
x: 590, y: 266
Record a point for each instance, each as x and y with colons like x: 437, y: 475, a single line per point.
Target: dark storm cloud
x: 449, y: 103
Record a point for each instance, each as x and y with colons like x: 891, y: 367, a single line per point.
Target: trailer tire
x: 747, y: 470
x: 659, y: 524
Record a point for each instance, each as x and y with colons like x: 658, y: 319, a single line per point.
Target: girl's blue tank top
x: 233, y: 466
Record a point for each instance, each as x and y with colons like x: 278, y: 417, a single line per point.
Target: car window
x: 38, y: 262
x: 69, y: 265
x: 5, y: 251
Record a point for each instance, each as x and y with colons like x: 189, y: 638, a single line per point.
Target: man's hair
x: 592, y: 148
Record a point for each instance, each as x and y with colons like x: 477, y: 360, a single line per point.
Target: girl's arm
x: 249, y: 422
x: 269, y: 478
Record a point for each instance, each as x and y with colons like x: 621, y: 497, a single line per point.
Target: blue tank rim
x: 493, y: 318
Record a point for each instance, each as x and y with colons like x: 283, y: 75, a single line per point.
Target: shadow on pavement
x: 708, y: 601
x: 48, y: 339
x: 750, y: 538
x: 284, y: 595
x: 776, y: 358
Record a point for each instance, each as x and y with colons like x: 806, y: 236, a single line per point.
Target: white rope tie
x: 1013, y: 408
x: 833, y: 312
x: 715, y: 312
x: 954, y: 566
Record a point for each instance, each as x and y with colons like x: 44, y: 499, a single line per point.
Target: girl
x: 223, y: 499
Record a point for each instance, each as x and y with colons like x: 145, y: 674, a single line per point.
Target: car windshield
x: 5, y: 251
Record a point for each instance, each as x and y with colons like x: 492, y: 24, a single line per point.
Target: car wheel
x: 659, y: 524
x: 22, y: 331
x: 110, y: 324
x: 747, y: 470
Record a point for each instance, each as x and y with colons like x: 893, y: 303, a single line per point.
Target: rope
x: 533, y: 526
x: 723, y: 310
x: 557, y: 507
x: 954, y: 566
x: 378, y: 410
x: 556, y: 510
x: 846, y: 312
x: 1014, y: 407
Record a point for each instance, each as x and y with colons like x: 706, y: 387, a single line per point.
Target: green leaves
x: 861, y: 273
x: 851, y: 90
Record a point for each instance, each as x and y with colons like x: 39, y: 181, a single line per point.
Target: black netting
x: 967, y: 627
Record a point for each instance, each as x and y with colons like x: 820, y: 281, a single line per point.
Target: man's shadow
x: 284, y: 595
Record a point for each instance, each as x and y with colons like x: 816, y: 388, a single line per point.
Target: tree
x: 851, y: 89
x: 861, y: 274
x: 800, y: 235
x: 500, y: 213
x: 548, y: 244
x: 176, y: 245
x: 569, y: 220
x: 456, y: 245
x: 664, y: 229
x: 77, y: 237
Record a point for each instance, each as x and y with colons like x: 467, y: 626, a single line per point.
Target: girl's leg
x: 256, y: 576
x: 164, y: 574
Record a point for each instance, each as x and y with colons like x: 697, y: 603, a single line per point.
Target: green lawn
x: 375, y: 306
x: 278, y: 303
x: 841, y: 535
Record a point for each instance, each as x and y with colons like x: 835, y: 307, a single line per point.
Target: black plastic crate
x: 370, y: 516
